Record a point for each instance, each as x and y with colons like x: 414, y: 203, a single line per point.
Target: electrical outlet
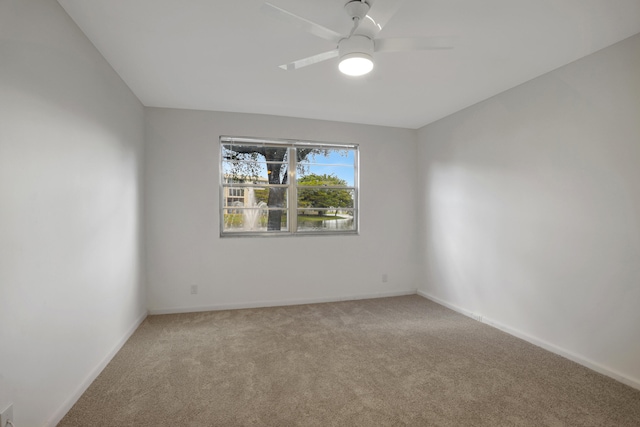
x: 194, y: 290
x: 6, y: 416
x: 385, y: 278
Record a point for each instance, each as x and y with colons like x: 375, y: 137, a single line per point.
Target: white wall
x: 71, y: 281
x: 184, y: 247
x: 531, y: 206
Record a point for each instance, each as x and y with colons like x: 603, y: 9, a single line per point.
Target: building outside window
x: 234, y: 197
x: 285, y: 187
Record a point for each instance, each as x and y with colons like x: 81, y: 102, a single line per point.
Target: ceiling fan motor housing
x: 356, y: 44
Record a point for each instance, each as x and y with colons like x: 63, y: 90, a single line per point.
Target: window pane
x: 339, y: 164
x: 252, y: 197
x: 256, y: 219
x: 257, y: 164
x: 313, y: 198
x: 326, y: 220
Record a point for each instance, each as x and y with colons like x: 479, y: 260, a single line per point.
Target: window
x: 283, y: 187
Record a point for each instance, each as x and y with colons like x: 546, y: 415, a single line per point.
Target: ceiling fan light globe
x: 356, y: 64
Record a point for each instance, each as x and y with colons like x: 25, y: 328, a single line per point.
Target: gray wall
x: 531, y: 210
x: 71, y: 276
x: 184, y: 247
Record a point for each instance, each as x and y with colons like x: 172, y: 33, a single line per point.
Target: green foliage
x: 321, y: 180
x: 318, y: 197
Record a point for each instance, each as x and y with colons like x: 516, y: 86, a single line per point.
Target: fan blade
x: 409, y: 44
x: 310, y: 60
x: 380, y: 13
x: 302, y: 23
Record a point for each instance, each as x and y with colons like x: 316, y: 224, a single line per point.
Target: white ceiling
x: 224, y: 55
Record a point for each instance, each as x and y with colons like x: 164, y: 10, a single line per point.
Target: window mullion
x: 293, y: 191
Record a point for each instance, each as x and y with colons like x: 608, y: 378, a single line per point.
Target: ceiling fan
x: 357, y: 48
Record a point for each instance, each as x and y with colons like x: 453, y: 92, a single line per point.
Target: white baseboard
x: 278, y: 303
x: 68, y: 404
x: 635, y: 383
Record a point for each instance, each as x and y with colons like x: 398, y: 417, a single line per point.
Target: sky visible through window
x: 338, y: 163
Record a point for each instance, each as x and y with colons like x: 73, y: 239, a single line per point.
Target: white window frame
x: 292, y: 193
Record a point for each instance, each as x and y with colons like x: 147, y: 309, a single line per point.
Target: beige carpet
x: 383, y: 362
